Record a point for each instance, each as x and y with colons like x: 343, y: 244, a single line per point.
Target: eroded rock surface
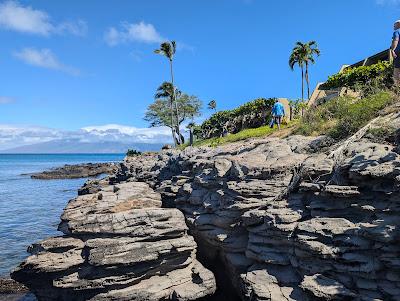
x: 292, y: 222
x: 118, y: 244
x: 287, y: 219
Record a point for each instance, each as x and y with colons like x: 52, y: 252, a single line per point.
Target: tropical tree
x: 168, y: 49
x: 303, y: 54
x: 159, y: 112
x: 212, y: 105
x: 165, y: 95
x: 296, y: 58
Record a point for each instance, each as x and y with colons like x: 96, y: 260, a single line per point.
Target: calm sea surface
x: 30, y: 209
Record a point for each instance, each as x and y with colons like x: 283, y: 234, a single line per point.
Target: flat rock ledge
x: 84, y: 170
x: 118, y: 244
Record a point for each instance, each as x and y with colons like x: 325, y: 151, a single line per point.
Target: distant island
x: 71, y: 146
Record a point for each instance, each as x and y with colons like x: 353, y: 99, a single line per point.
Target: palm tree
x: 166, y: 90
x: 212, y: 105
x: 305, y: 52
x: 296, y: 58
x: 168, y: 49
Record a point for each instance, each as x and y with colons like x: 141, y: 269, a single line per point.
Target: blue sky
x: 72, y: 64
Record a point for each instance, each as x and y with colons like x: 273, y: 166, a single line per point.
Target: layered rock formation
x: 286, y: 219
x: 118, y: 244
x: 289, y: 222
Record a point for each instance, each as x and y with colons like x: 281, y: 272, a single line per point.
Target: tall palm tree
x: 306, y: 52
x: 166, y: 90
x: 168, y: 49
x: 296, y: 58
x: 212, y: 105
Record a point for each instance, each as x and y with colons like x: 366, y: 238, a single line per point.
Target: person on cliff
x: 278, y: 112
x: 395, y: 52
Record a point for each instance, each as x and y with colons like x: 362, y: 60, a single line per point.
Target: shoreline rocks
x: 282, y: 219
x: 85, y: 170
x: 118, y: 244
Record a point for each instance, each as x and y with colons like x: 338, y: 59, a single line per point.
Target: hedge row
x: 214, y: 126
x: 363, y: 75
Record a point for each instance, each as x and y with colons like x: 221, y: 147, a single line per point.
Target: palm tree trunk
x: 308, y: 82
x: 302, y: 83
x: 174, y: 99
x: 172, y: 124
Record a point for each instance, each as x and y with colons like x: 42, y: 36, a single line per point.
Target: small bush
x: 343, y: 116
x: 133, y: 153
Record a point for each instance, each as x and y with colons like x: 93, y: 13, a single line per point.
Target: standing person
x: 278, y: 112
x: 395, y: 51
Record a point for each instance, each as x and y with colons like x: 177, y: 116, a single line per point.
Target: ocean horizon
x: 30, y: 209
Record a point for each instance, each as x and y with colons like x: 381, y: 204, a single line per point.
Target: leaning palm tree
x: 168, y: 49
x: 297, y: 58
x: 212, y: 105
x: 166, y: 90
x: 307, y: 51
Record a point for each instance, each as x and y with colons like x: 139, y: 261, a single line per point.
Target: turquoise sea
x: 30, y: 209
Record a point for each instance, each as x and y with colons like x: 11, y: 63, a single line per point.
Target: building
x: 320, y: 95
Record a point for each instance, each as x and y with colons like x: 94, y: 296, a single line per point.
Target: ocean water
x: 30, y: 209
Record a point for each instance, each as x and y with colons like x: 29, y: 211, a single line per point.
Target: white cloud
x: 6, y: 99
x: 14, y: 16
x: 14, y: 136
x: 388, y: 2
x: 133, y: 32
x: 44, y: 58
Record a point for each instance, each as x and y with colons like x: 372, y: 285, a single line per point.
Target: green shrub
x: 355, y: 78
x: 343, y: 116
x: 133, y: 153
x: 214, y: 126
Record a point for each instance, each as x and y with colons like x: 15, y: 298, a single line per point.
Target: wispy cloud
x: 136, y: 55
x: 388, y: 2
x: 6, y: 99
x: 133, y: 32
x: 25, y: 19
x: 44, y: 58
x: 14, y: 136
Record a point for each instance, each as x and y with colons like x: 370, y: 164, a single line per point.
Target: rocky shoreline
x: 84, y: 170
x: 298, y: 218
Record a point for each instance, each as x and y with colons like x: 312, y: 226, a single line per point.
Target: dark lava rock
x: 76, y: 171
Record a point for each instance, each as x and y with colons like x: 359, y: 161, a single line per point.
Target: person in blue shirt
x: 278, y: 112
x: 395, y: 51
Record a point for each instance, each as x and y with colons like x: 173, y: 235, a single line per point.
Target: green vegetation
x: 338, y: 118
x: 379, y: 74
x: 242, y: 135
x: 342, y: 116
x: 158, y: 113
x: 214, y: 126
x: 302, y: 55
x: 133, y: 153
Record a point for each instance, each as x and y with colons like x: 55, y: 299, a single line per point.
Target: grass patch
x: 343, y: 116
x: 242, y: 135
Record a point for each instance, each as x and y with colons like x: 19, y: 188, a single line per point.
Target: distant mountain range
x: 75, y: 146
x: 109, y: 138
